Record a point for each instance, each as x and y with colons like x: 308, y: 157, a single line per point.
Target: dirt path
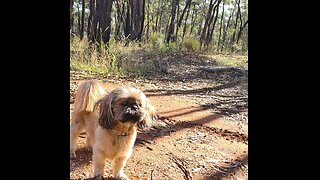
x: 201, y: 131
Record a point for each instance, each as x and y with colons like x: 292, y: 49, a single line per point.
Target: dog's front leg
x: 117, y: 167
x: 99, y: 163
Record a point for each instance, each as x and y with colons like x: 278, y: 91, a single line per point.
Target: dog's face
x: 126, y: 105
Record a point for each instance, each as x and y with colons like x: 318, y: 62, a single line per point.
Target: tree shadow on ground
x: 171, y: 126
x: 228, y: 170
x: 206, y: 90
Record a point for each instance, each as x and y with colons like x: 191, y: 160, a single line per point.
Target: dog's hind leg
x: 89, y: 134
x: 76, y: 126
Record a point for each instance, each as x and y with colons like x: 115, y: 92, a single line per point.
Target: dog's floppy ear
x: 150, y: 116
x: 106, y: 117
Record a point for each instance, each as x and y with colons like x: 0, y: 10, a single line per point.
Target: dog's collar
x: 122, y: 134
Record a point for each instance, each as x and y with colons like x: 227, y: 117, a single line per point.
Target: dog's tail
x: 88, y: 93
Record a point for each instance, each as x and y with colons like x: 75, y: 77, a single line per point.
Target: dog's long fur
x: 110, y: 121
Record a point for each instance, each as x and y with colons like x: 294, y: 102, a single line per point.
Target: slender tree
x: 207, y: 21
x: 221, y: 24
x: 82, y: 19
x: 170, y: 36
x: 137, y: 16
x: 208, y: 38
x: 185, y: 9
x: 194, y: 15
x: 72, y: 16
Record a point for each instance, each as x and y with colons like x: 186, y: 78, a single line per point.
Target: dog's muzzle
x: 132, y: 114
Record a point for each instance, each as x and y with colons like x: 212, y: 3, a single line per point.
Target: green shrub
x: 155, y: 39
x: 190, y: 43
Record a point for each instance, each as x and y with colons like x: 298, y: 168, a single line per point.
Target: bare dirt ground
x: 202, y: 128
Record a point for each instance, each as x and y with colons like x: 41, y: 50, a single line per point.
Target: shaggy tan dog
x: 110, y: 121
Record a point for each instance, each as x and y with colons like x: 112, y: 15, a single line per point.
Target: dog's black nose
x: 134, y: 107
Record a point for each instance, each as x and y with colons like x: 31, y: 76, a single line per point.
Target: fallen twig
x: 219, y: 170
x: 182, y: 165
x: 151, y: 174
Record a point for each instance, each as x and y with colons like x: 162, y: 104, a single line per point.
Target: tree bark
x: 221, y: 24
x: 241, y: 29
x: 89, y: 28
x: 235, y: 25
x: 137, y: 16
x: 106, y: 20
x: 177, y: 19
x: 79, y: 18
x: 127, y: 26
x: 225, y: 30
x: 72, y: 16
x: 193, y: 17
x: 119, y: 19
x: 101, y: 26
x: 206, y: 24
x: 82, y: 20
x: 185, y: 21
x: 160, y: 19
x: 186, y: 7
x: 210, y: 33
x: 170, y: 36
x: 148, y: 20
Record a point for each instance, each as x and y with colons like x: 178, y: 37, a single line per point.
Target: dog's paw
x: 122, y: 177
x: 98, y: 177
x: 72, y: 155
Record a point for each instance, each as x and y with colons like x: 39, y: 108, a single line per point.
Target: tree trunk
x: 79, y: 18
x: 95, y: 37
x: 148, y: 19
x: 186, y: 7
x: 82, y: 20
x: 89, y: 28
x: 119, y: 19
x: 241, y: 29
x: 127, y: 26
x: 206, y: 24
x: 225, y: 30
x: 185, y: 21
x: 177, y: 16
x: 160, y: 19
x: 72, y: 16
x: 101, y: 26
x: 210, y: 33
x: 170, y: 36
x: 221, y: 24
x: 158, y: 15
x: 137, y: 16
x: 193, y: 17
x: 106, y: 20
x: 235, y: 25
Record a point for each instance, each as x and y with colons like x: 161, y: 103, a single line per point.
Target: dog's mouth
x: 131, y: 113
x: 131, y: 117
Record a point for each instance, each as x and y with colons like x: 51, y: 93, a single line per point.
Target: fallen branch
x: 217, y: 169
x: 182, y: 165
x: 151, y: 174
